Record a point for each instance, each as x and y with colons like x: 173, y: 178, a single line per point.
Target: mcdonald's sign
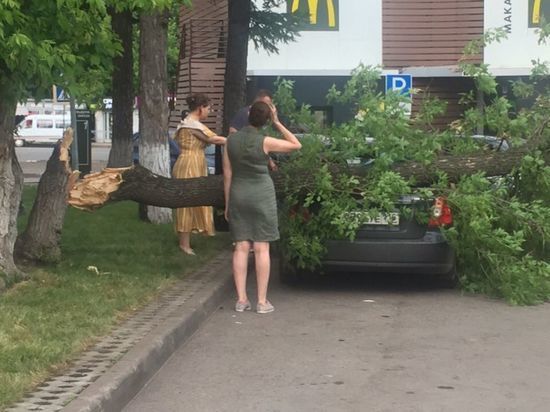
x: 539, y: 11
x: 321, y: 15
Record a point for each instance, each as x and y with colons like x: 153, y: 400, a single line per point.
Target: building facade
x: 421, y: 38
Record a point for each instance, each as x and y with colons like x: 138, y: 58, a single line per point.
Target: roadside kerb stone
x: 111, y: 373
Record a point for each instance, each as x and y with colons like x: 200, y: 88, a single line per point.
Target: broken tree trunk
x: 141, y: 185
x: 11, y: 185
x: 40, y: 240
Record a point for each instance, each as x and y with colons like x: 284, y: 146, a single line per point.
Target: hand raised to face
x: 274, y: 114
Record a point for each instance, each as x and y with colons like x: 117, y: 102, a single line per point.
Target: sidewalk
x: 113, y: 371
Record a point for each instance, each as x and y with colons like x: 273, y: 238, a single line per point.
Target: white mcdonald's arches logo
x: 312, y: 5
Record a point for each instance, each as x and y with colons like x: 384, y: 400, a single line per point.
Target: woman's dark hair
x: 259, y: 114
x: 263, y: 93
x: 197, y: 100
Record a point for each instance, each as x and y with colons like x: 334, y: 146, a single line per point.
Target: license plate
x: 388, y: 219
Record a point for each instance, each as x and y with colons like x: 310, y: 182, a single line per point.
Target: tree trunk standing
x: 153, y: 104
x: 40, y: 240
x: 237, y: 55
x: 11, y: 186
x: 123, y: 92
x: 235, y: 69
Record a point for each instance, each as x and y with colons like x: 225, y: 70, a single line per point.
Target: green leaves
x: 52, y: 43
x: 269, y: 28
x: 501, y: 224
x: 500, y: 239
x: 63, y: 42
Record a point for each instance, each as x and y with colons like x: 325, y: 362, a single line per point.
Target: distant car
x: 41, y: 129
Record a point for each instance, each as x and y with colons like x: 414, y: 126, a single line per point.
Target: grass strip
x: 64, y: 308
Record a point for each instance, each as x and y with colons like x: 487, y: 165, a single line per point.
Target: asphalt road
x: 352, y: 343
x: 43, y: 153
x: 33, y: 160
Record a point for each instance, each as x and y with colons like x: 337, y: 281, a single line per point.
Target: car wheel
x: 19, y: 142
x: 450, y: 279
x: 289, y: 274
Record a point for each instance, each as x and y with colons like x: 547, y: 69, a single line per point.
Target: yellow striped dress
x: 192, y: 163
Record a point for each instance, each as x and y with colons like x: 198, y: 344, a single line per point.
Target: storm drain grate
x: 56, y: 392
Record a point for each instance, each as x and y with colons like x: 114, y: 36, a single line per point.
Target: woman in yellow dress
x: 192, y: 137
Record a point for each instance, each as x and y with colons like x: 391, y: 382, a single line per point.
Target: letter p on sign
x: 399, y: 83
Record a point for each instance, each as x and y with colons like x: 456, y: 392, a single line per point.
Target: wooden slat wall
x: 448, y: 89
x: 202, y: 58
x: 428, y: 32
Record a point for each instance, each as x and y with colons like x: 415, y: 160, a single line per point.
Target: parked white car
x: 41, y: 129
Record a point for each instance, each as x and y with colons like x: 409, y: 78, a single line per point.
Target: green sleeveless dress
x: 252, y: 203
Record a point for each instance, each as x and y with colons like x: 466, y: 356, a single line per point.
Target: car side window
x: 44, y: 124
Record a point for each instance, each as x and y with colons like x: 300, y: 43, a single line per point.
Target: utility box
x: 84, y: 132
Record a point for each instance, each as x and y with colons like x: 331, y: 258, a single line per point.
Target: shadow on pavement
x: 368, y: 281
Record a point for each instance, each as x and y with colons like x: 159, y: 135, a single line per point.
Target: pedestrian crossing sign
x: 61, y: 95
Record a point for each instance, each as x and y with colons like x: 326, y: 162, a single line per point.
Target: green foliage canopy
x: 62, y: 42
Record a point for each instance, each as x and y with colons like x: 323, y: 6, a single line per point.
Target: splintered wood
x: 95, y: 189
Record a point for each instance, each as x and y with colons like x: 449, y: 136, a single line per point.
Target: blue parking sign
x: 399, y: 83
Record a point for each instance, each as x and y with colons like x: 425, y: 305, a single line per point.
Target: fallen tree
x: 141, y: 185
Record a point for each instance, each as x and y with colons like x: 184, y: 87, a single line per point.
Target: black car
x: 397, y: 242
x: 409, y: 240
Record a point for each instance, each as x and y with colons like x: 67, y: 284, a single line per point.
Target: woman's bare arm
x: 290, y: 142
x: 227, y: 174
x: 208, y: 139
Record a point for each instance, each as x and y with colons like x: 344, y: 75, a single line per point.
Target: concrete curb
x: 118, y: 385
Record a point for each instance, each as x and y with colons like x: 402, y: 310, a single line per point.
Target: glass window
x: 44, y: 124
x: 27, y: 124
x: 322, y: 115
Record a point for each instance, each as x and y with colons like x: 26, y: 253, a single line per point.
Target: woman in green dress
x: 250, y: 203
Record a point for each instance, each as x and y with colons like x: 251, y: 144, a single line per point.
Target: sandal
x: 241, y: 307
x: 266, y: 307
